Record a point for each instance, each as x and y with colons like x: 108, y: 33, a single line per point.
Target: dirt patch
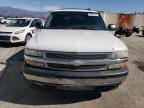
x: 140, y: 64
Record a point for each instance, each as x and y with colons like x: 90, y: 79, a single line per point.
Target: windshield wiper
x: 72, y: 27
x: 83, y: 28
x: 58, y: 27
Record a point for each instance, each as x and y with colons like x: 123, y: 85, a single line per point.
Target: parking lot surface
x: 16, y: 92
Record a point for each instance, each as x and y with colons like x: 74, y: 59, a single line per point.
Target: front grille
x: 75, y: 56
x: 76, y: 68
x: 4, y: 38
x: 5, y: 32
x: 67, y: 56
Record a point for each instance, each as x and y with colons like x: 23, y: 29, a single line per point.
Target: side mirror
x: 32, y: 25
x: 111, y: 27
x: 38, y: 26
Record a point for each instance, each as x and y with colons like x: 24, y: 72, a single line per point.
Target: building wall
x: 110, y: 18
x: 139, y: 20
x: 102, y: 14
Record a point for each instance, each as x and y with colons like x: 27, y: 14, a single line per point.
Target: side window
x: 48, y: 22
x: 33, y: 23
x: 39, y: 22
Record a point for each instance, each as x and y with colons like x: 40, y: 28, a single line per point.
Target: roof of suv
x: 74, y: 10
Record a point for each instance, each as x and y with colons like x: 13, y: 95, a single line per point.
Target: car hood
x: 9, y: 29
x: 76, y: 41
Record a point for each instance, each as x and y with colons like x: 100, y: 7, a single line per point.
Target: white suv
x: 75, y: 51
x: 20, y: 29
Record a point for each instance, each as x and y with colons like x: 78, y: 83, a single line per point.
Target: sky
x: 125, y: 6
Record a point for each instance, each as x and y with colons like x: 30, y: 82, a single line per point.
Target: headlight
x: 33, y: 63
x: 120, y: 55
x: 20, y: 31
x: 118, y: 66
x: 32, y: 52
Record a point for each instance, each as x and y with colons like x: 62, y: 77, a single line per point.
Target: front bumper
x: 9, y: 39
x: 5, y: 39
x: 75, y: 80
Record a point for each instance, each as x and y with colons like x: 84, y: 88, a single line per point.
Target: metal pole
x: 41, y: 9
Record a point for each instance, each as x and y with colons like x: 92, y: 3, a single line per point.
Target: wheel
x: 143, y: 33
x: 128, y: 34
x: 28, y: 37
x: 115, y: 33
x: 4, y: 22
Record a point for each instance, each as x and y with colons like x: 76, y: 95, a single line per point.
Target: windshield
x: 75, y: 20
x: 18, y: 22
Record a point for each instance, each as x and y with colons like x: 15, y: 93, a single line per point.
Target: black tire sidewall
x: 143, y: 33
x: 128, y: 34
x: 28, y: 35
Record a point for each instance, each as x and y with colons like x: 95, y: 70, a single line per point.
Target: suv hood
x: 10, y: 29
x: 76, y: 41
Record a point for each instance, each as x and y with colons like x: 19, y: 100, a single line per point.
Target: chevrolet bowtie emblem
x: 77, y: 63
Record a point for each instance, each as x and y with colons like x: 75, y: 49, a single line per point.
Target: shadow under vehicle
x: 15, y: 89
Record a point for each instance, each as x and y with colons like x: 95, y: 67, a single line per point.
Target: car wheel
x: 4, y: 22
x: 28, y: 37
x: 128, y: 34
x: 143, y: 33
x: 115, y: 33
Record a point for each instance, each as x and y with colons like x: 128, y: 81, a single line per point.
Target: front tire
x: 115, y: 34
x: 128, y: 34
x: 143, y: 33
x: 28, y: 37
x: 4, y: 22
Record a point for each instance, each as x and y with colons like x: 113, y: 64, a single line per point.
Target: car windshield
x: 75, y: 20
x: 18, y: 22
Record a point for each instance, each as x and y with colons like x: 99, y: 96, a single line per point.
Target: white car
x: 75, y: 51
x: 3, y: 21
x: 20, y: 29
x: 6, y: 21
x: 1, y: 18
